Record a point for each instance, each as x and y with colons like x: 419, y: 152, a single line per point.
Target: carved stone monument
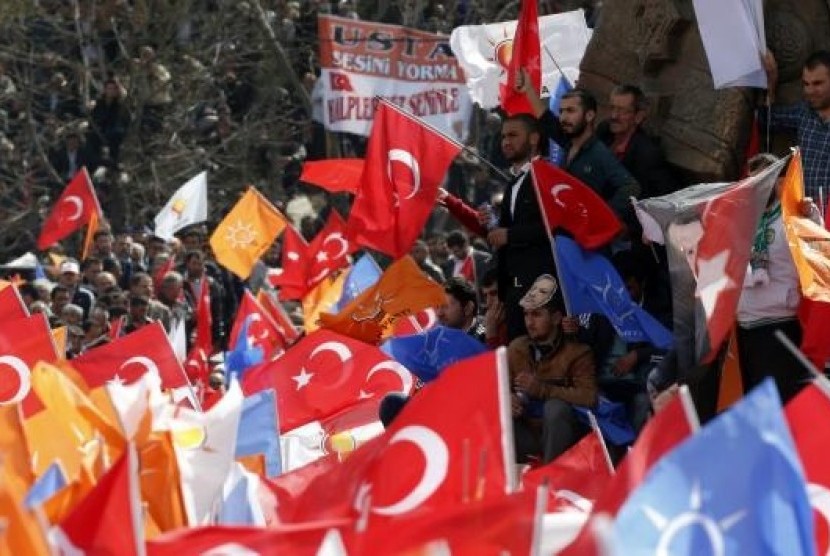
x: 656, y: 44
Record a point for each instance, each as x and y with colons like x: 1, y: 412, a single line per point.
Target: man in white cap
x: 549, y: 375
x: 70, y: 278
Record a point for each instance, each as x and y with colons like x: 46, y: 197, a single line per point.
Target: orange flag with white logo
x: 402, y: 290
x: 809, y: 242
x: 246, y: 232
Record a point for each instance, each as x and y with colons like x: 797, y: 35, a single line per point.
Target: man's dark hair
x: 818, y: 58
x: 101, y: 233
x: 193, y: 254
x: 138, y: 277
x: 89, y: 261
x: 457, y: 238
x: 529, y: 121
x: 56, y: 290
x: 586, y: 99
x: 463, y: 291
x: 640, y: 101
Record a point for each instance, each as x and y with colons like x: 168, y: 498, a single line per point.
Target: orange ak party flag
x: 246, y: 232
x: 402, y: 289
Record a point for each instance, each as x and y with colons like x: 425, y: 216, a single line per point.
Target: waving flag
x: 259, y: 430
x: 335, y: 175
x: 246, y: 233
x: 292, y: 280
x: 329, y: 250
x: 282, y: 322
x: 708, y: 231
x: 429, y: 353
x: 569, y: 204
x: 592, y: 285
x: 23, y: 342
x: 244, y: 354
x: 525, y: 54
x: 188, y: 205
x: 405, y: 163
x: 76, y: 206
x: 262, y: 330
x: 323, y: 374
x: 364, y: 274
x: 130, y: 356
x: 687, y: 488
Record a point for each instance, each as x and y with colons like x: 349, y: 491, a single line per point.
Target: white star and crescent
x: 78, y: 205
x: 21, y: 369
x: 339, y: 349
x: 408, y: 159
x: 712, y: 280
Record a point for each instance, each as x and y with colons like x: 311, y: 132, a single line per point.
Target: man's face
x: 817, y: 87
x: 438, y: 249
x: 573, y: 117
x: 541, y: 292
x: 143, y: 287
x: 103, y: 281
x: 195, y: 267
x: 451, y: 313
x: 60, y: 301
x: 459, y: 251
x: 624, y: 116
x: 103, y: 243
x: 69, y: 279
x: 490, y: 295
x: 91, y: 271
x: 516, y: 142
x: 121, y: 246
x: 418, y: 252
x: 192, y: 242
x: 540, y: 323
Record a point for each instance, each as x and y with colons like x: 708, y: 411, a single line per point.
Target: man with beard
x: 588, y: 159
x: 810, y: 118
x: 521, y: 242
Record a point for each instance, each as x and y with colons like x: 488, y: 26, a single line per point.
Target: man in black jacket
x: 522, y: 243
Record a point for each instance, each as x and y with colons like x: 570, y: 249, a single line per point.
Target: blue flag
x: 243, y: 355
x: 46, y: 486
x: 428, y: 353
x: 363, y: 275
x: 240, y: 499
x: 593, y: 285
x: 556, y: 154
x: 259, y: 430
x: 734, y: 488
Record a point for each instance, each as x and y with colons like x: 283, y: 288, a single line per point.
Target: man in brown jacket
x: 549, y: 374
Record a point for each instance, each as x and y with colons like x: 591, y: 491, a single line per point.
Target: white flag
x: 484, y: 53
x: 733, y: 37
x: 187, y: 206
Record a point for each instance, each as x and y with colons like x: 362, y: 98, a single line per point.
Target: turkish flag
x: 329, y: 250
x: 262, y: 330
x: 526, y: 53
x: 576, y: 478
x: 299, y: 540
x: 323, y: 374
x: 335, y: 175
x: 282, y: 321
x: 405, y: 163
x: 23, y: 342
x: 415, y: 324
x: 11, y: 304
x: 73, y: 209
x: 130, y: 356
x: 340, y: 82
x: 204, y: 319
x: 569, y: 204
x: 807, y: 415
x: 668, y: 428
x: 292, y: 281
x: 109, y: 519
x: 442, y: 450
x: 502, y: 525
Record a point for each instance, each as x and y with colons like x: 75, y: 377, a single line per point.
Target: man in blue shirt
x: 810, y: 118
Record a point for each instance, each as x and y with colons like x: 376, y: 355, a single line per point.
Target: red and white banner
x: 363, y: 60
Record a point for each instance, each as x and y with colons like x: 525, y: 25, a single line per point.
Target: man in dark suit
x: 469, y: 263
x: 522, y: 243
x: 71, y: 157
x: 633, y: 147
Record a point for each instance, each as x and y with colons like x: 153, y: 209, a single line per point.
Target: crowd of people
x: 486, y: 240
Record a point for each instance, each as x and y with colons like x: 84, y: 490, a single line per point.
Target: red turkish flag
x: 569, y: 204
x: 11, y: 304
x: 405, y: 163
x: 503, y: 525
x: 329, y: 250
x: 526, y: 54
x: 292, y: 281
x: 73, y: 209
x: 130, y: 356
x: 204, y: 319
x: 323, y: 374
x: 668, y: 428
x: 807, y: 415
x: 335, y: 175
x: 23, y: 342
x: 297, y: 540
x: 340, y: 82
x: 262, y: 330
x: 109, y: 519
x: 415, y: 324
x: 442, y: 450
x: 577, y: 478
x: 282, y: 321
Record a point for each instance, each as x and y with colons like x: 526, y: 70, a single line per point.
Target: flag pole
x: 565, y: 298
x: 455, y: 142
x: 558, y: 67
x: 821, y: 381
